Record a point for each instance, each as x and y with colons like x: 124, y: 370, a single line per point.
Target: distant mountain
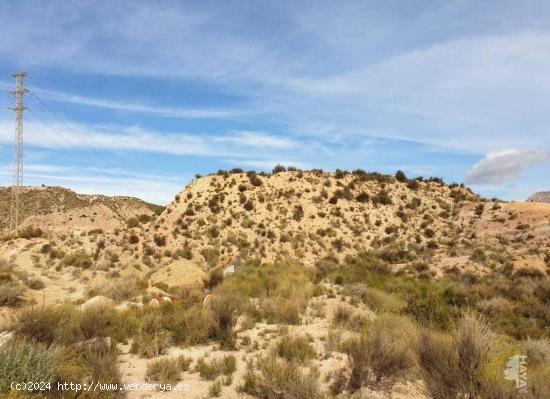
x: 542, y: 196
x: 59, y: 209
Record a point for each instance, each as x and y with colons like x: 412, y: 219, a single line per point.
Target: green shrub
x: 383, y: 354
x: 362, y: 197
x: 152, y: 345
x: 66, y: 324
x: 284, y: 280
x: 167, y: 371
x: 278, y: 379
x: 383, y: 198
x: 248, y: 206
x: 295, y: 348
x: 211, y: 256
x: 78, y: 259
x: 30, y: 232
x: 98, y: 364
x: 11, y: 293
x: 413, y: 185
x: 280, y: 310
x: 210, y: 370
x: 159, y: 240
x: 225, y: 306
x: 23, y: 361
x: 456, y: 365
x: 382, y: 302
x: 438, y: 360
x: 429, y: 309
x: 278, y: 169
x: 215, y: 389
x: 349, y: 318
x: 132, y: 222
x: 214, y: 278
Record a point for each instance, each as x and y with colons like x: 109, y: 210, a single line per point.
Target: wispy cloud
x: 503, y: 166
x: 60, y: 136
x: 257, y: 139
x: 183, y: 113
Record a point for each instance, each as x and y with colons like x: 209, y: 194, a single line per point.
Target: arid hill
x: 60, y: 210
x: 306, y: 215
x: 542, y: 196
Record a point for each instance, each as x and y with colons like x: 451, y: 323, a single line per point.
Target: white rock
x: 5, y: 337
x: 97, y: 301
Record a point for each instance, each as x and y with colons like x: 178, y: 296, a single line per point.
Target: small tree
x: 400, y: 176
x: 278, y: 169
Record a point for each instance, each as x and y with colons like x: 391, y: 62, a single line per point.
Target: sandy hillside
x: 305, y: 215
x: 58, y: 210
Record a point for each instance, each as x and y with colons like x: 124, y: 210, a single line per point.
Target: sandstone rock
x: 97, y: 301
x: 5, y: 337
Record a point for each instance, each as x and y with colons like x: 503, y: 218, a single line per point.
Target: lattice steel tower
x: 19, y: 109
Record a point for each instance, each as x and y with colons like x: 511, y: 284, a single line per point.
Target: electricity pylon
x: 18, y: 93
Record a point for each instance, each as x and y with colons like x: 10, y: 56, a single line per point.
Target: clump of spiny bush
x: 29, y: 232
x: 454, y: 365
x: 209, y: 370
x: 225, y: 308
x: 296, y: 348
x: 167, y: 371
x: 277, y: 378
x: 11, y: 292
x: 67, y: 324
x: 22, y: 360
x: 383, y: 353
x: 254, y: 179
x: 382, y: 197
x: 282, y: 290
x: 79, y: 259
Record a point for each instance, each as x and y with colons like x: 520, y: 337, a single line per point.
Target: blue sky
x: 136, y: 97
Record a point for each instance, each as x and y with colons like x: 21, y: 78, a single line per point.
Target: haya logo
x: 516, y: 370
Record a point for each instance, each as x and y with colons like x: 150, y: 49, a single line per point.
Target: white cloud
x: 503, y: 166
x: 184, y: 113
x: 55, y: 135
x: 257, y: 139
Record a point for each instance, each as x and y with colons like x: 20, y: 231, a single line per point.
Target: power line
x: 61, y: 144
x: 19, y: 94
x: 89, y: 147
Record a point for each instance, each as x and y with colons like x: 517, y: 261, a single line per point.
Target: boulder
x: 98, y: 300
x: 5, y: 337
x: 161, y: 300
